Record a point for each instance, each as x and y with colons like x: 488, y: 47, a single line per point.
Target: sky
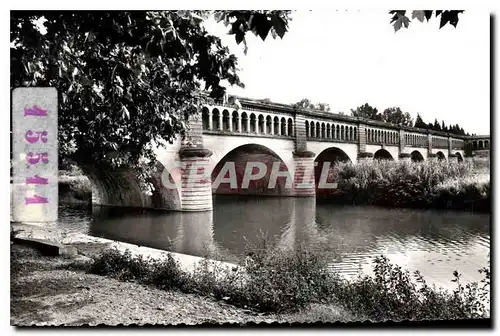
x: 348, y: 58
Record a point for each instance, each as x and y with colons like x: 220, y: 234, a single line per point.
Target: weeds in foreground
x: 279, y: 281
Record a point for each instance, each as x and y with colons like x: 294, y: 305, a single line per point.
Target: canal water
x: 434, y: 242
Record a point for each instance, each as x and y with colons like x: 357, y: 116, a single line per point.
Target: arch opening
x: 236, y: 119
x: 277, y: 126
x: 225, y: 120
x: 440, y: 156
x: 416, y: 156
x: 215, y: 120
x: 118, y: 188
x: 244, y: 123
x: 382, y: 154
x: 228, y: 176
x: 205, y: 118
x: 290, y: 127
x: 333, y: 156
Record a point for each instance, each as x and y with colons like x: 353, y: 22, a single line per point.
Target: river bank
x: 51, y: 291
x: 295, y: 284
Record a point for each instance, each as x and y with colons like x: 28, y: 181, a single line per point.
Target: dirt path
x: 43, y: 292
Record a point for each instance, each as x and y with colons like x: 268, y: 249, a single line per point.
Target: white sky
x: 348, y: 58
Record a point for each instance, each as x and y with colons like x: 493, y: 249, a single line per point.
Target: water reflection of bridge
x: 291, y: 222
x: 351, y: 234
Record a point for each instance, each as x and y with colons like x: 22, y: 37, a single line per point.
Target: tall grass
x: 281, y: 281
x: 406, y: 184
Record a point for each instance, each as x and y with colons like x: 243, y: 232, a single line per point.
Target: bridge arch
x: 416, y: 156
x: 382, y: 154
x: 121, y: 187
x: 440, y: 156
x: 331, y: 155
x: 459, y: 157
x: 242, y: 157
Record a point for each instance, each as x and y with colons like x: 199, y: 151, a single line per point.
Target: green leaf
x: 418, y: 14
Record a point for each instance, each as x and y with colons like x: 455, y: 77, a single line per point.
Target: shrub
x: 391, y: 294
x: 278, y: 280
x: 405, y: 184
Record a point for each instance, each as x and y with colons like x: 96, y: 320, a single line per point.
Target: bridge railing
x: 262, y: 118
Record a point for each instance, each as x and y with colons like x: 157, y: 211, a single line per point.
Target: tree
x: 304, y: 103
x: 444, y: 128
x: 419, y: 123
x: 323, y: 107
x: 127, y: 80
x: 261, y: 23
x: 400, y: 20
x: 366, y: 111
x: 437, y: 126
x: 307, y: 104
x: 394, y: 115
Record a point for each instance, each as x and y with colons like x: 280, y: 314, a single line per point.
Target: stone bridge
x: 289, y: 141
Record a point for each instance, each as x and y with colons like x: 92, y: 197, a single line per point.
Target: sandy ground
x: 45, y: 292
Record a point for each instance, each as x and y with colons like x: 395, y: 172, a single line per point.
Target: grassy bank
x: 283, y: 281
x: 54, y: 291
x: 436, y: 184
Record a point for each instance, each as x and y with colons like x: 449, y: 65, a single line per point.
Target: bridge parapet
x: 263, y: 118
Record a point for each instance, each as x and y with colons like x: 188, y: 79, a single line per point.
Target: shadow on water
x: 432, y: 241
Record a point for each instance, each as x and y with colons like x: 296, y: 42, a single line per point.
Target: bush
x: 278, y: 281
x: 405, y: 184
x: 391, y: 294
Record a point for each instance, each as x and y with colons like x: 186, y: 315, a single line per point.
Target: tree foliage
x: 260, y: 23
x: 419, y: 123
x: 306, y: 103
x: 394, y: 115
x: 400, y: 20
x: 436, y: 126
x: 125, y: 80
x: 366, y: 111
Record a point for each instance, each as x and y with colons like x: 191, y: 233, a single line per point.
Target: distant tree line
x: 393, y: 115
x: 436, y: 126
